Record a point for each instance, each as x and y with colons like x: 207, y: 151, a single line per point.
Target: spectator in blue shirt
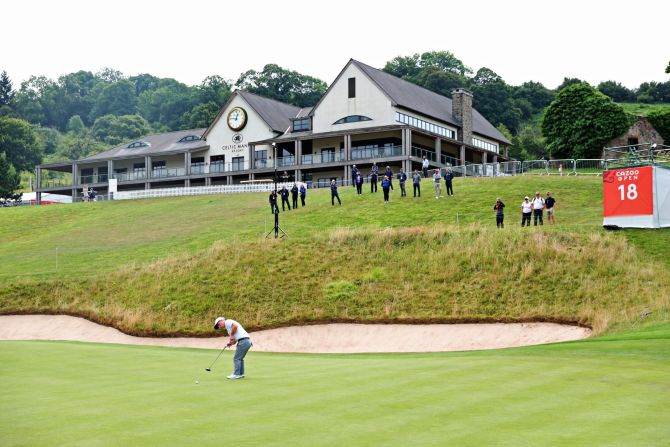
x: 333, y: 193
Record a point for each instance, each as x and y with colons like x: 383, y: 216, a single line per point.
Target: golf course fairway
x: 609, y: 390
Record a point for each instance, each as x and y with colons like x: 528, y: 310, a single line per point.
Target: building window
x: 238, y: 164
x: 425, y: 125
x: 352, y: 87
x: 352, y: 119
x: 137, y: 144
x: 188, y: 138
x: 484, y: 145
x: 301, y: 124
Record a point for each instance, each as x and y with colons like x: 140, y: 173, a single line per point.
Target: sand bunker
x: 320, y: 338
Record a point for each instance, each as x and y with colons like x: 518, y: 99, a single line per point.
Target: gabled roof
x: 276, y: 114
x: 167, y: 142
x: 418, y: 99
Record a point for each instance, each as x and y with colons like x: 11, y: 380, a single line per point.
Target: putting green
x: 603, y: 391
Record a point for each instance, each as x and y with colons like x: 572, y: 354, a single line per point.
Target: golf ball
x: 197, y: 381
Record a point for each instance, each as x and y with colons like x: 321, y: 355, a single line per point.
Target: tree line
x: 83, y: 113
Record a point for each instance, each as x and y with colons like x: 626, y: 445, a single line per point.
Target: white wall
x: 220, y: 137
x: 369, y: 101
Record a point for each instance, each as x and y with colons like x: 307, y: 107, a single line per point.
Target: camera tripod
x: 276, y: 228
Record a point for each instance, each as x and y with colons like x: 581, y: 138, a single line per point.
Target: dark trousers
x: 386, y: 194
x: 273, y: 207
x: 450, y: 189
x: 417, y: 189
x: 359, y: 188
x: 425, y: 172
x: 537, y: 214
x: 302, y: 199
x: 525, y: 218
x: 373, y: 185
x: 499, y: 221
x: 402, y: 189
x: 332, y: 199
x: 285, y: 201
x: 295, y: 201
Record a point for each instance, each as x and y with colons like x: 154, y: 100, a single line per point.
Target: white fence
x: 199, y: 190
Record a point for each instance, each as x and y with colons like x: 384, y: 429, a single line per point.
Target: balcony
x: 88, y: 179
x: 358, y: 153
x: 323, y: 157
x: 55, y: 182
x: 130, y: 176
x: 286, y: 161
x: 163, y: 172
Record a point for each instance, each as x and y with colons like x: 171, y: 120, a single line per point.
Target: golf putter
x: 217, y: 358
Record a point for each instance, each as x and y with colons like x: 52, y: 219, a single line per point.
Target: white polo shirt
x: 526, y: 207
x: 538, y: 203
x: 240, y: 333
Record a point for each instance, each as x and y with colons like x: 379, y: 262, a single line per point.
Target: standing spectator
x: 91, y: 194
x: 526, y: 211
x: 84, y: 193
x: 284, y: 198
x: 333, y: 193
x: 402, y: 178
x: 374, y: 175
x: 386, y: 186
x: 273, y: 202
x: 538, y: 207
x: 416, y: 180
x: 389, y: 174
x: 550, y: 203
x: 359, y: 183
x: 285, y: 177
x: 354, y: 173
x: 294, y: 195
x: 499, y: 208
x: 424, y: 166
x: 448, y: 179
x: 303, y: 194
x: 437, y: 178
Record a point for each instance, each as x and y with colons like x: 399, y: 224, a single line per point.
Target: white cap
x: 217, y: 321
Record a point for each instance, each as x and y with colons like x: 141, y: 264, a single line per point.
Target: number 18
x: 631, y: 194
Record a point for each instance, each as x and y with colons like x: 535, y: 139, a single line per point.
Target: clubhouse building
x: 366, y: 116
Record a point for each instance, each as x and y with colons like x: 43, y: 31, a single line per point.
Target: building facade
x: 366, y: 116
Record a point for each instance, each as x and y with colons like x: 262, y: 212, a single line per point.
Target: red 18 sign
x: 628, y: 192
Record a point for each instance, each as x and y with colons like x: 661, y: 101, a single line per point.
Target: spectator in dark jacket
x: 303, y: 194
x: 416, y: 181
x: 374, y: 176
x: 402, y: 178
x: 294, y: 195
x: 359, y: 183
x: 354, y: 173
x: 499, y: 208
x: 273, y: 202
x: 448, y: 178
x: 389, y: 174
x: 386, y: 186
x: 284, y: 198
x: 333, y: 193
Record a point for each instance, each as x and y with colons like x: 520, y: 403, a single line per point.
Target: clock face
x: 237, y: 118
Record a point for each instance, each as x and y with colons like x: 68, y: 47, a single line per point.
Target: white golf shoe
x: 234, y: 376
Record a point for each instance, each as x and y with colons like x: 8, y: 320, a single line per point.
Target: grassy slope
x: 170, y: 265
x: 642, y: 109
x: 606, y: 391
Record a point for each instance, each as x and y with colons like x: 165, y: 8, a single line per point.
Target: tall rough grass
x: 434, y: 273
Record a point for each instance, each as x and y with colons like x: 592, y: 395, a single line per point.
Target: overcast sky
x: 537, y: 40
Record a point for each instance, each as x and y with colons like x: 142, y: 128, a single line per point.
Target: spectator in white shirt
x: 538, y: 209
x: 526, y: 211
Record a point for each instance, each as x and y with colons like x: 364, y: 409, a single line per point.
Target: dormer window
x: 137, y: 144
x: 352, y: 119
x: 301, y: 124
x: 188, y: 138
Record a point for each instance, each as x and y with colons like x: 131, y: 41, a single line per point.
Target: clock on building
x: 237, y: 118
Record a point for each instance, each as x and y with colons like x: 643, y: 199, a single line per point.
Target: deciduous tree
x: 283, y: 85
x: 18, y: 142
x: 580, y: 121
x: 10, y: 180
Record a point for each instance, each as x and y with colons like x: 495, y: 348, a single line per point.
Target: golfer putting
x: 238, y: 335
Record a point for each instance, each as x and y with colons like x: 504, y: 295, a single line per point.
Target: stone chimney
x: 461, y: 109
